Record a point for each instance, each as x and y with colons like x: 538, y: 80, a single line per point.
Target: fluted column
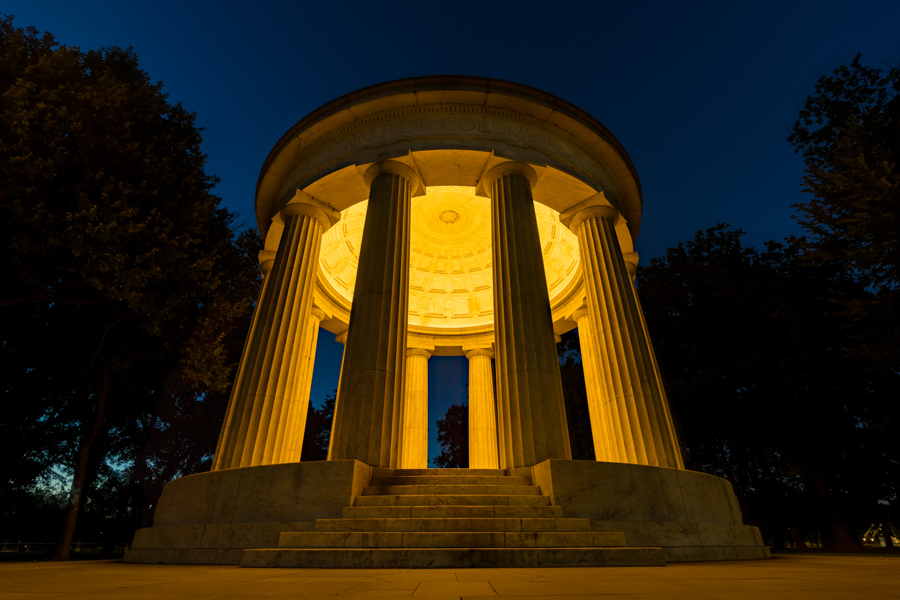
x: 599, y: 409
x: 532, y: 414
x: 367, y: 416
x: 341, y: 338
x: 266, y: 261
x: 291, y: 428
x: 268, y: 372
x: 482, y: 411
x: 414, y: 441
x: 641, y: 423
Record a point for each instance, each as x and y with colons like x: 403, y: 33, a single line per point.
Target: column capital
x: 595, y: 206
x: 416, y: 186
x: 266, y: 260
x: 580, y: 314
x: 304, y: 204
x: 631, y: 262
x: 479, y: 352
x: 512, y: 167
x: 317, y: 313
x: 341, y: 337
x: 419, y: 352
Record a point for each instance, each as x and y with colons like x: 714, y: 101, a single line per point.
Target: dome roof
x: 450, y: 278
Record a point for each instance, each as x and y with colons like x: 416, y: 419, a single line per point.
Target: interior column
x: 414, y: 442
x: 532, y: 414
x: 626, y: 364
x: 268, y: 372
x: 367, y: 416
x: 482, y: 411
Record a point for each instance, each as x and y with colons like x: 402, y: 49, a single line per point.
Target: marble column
x: 367, y: 416
x: 414, y: 441
x: 341, y: 338
x: 640, y: 418
x: 289, y: 442
x: 482, y: 411
x: 268, y: 372
x: 266, y: 261
x: 532, y: 414
x: 631, y: 264
x: 605, y: 447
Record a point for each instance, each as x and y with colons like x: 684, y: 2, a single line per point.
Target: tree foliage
x: 849, y: 135
x: 578, y: 418
x: 453, y: 437
x: 318, y: 430
x: 124, y: 291
x: 751, y: 348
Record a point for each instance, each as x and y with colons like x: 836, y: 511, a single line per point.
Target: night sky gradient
x: 701, y: 94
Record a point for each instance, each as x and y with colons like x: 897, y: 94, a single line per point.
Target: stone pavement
x: 788, y: 577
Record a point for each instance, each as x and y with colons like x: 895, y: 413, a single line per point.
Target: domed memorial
x: 447, y: 216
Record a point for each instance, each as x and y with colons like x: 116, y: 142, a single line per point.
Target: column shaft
x: 227, y: 435
x: 367, y: 416
x: 605, y: 447
x: 532, y: 414
x: 414, y: 441
x: 642, y: 425
x: 289, y: 443
x: 269, y: 366
x: 482, y: 412
x: 342, y: 339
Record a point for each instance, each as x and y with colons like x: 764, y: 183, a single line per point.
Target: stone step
x: 452, y: 524
x: 451, y: 500
x: 483, y: 539
x: 444, y: 490
x: 453, y: 480
x: 444, y: 512
x: 449, y: 472
x: 452, y: 558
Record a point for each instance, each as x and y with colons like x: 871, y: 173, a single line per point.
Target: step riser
x: 450, y: 472
x: 455, y: 480
x: 449, y: 558
x: 436, y: 500
x: 409, y: 539
x: 452, y: 512
x: 452, y: 525
x: 456, y: 490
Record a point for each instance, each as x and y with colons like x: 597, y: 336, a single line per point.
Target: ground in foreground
x: 788, y: 577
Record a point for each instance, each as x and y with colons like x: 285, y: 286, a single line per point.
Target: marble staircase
x: 451, y: 518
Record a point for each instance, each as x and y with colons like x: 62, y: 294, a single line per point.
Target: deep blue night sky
x: 701, y: 94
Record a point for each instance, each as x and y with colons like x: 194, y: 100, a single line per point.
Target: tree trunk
x: 799, y: 543
x: 887, y: 531
x: 843, y: 538
x: 82, y: 459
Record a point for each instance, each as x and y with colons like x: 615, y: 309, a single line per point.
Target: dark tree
x: 849, y: 135
x: 751, y: 346
x: 453, y: 436
x: 115, y: 251
x: 318, y: 430
x: 575, y: 395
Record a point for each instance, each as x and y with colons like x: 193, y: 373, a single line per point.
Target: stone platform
x: 347, y: 514
x: 427, y: 518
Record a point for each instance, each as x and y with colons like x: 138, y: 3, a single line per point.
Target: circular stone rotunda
x: 448, y: 216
